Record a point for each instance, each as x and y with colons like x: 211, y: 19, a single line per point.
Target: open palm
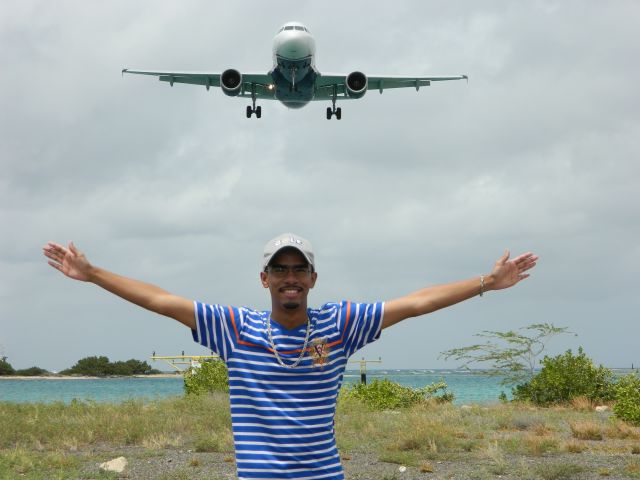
x: 68, y: 260
x: 507, y: 273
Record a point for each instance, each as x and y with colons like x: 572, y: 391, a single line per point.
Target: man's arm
x: 506, y: 273
x: 73, y: 263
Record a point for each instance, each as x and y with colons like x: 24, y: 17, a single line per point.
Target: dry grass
x: 426, y: 467
x: 36, y: 436
x: 586, y: 430
x: 622, y: 430
x: 159, y: 424
x: 582, y: 404
x: 574, y: 447
x: 633, y: 468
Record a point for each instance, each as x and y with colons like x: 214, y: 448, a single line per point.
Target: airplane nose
x: 294, y: 49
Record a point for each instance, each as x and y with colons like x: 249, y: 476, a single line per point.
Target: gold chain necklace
x: 275, y: 351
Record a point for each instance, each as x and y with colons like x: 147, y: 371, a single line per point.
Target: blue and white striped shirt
x: 283, y: 418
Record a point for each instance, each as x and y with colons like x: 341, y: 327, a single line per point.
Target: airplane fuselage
x: 294, y: 71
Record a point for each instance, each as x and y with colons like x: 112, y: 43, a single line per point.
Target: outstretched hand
x: 68, y: 260
x: 506, y: 273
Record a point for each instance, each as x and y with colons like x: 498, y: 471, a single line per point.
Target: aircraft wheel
x: 249, y: 111
x: 329, y: 113
x: 258, y: 112
x: 338, y: 113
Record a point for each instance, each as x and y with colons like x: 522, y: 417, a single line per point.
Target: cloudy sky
x: 539, y: 151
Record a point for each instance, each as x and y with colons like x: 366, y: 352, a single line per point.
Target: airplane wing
x: 261, y: 81
x: 325, y: 84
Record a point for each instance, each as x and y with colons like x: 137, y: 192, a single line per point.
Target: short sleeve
x: 361, y: 324
x: 216, y: 328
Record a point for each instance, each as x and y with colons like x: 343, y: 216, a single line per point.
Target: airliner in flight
x: 294, y: 79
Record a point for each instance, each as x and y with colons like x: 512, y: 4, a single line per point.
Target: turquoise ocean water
x: 468, y: 387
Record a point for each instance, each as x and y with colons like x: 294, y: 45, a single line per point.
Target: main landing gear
x: 251, y: 109
x: 334, y: 111
x: 331, y: 111
x: 257, y: 110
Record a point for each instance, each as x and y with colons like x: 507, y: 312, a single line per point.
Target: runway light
x: 270, y: 86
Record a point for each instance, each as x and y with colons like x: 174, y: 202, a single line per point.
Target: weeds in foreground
x: 47, y: 441
x: 159, y: 424
x: 558, y: 471
x: 633, y: 469
x: 586, y: 430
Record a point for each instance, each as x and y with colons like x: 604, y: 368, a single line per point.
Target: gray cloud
x: 174, y: 186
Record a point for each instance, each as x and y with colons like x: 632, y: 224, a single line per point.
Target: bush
x: 386, y: 395
x: 32, y: 372
x: 102, y: 367
x: 211, y: 376
x: 565, y: 377
x: 627, y: 396
x: 6, y: 368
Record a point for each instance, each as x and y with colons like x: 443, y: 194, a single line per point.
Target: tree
x: 32, y: 372
x: 627, y: 395
x: 512, y: 355
x: 565, y: 377
x: 5, y: 367
x: 102, y: 367
x: 210, y: 376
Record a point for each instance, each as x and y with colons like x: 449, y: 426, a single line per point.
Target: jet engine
x: 231, y: 82
x: 356, y: 84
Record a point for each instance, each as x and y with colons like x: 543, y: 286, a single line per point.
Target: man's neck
x: 290, y: 318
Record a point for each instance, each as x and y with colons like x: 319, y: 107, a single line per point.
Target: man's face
x: 289, y: 279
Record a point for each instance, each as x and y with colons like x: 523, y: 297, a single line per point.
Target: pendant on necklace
x: 319, y: 351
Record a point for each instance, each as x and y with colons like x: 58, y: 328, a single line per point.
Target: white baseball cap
x: 288, y: 240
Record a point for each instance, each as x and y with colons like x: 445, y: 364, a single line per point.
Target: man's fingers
x: 55, y: 265
x: 54, y: 248
x: 525, y: 257
x: 504, y: 258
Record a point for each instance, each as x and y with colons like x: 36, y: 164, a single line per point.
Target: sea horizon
x: 467, y: 385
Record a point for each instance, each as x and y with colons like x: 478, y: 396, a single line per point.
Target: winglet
x: 466, y: 78
x: 124, y: 70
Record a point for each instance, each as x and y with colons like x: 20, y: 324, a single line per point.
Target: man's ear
x: 314, y: 277
x: 263, y: 279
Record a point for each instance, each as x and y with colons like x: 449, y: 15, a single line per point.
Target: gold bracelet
x: 481, y: 284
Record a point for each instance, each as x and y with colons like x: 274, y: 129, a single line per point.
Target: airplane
x: 294, y: 79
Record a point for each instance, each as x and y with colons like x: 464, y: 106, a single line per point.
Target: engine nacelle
x: 356, y: 84
x: 231, y: 82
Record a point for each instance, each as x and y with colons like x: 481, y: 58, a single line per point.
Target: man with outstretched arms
x: 286, y: 365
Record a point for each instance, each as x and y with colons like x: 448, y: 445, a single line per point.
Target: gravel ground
x: 171, y: 464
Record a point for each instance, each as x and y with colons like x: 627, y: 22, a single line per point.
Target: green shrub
x: 102, y: 367
x: 385, y: 394
x: 627, y: 396
x: 211, y: 376
x: 6, y: 368
x: 565, y: 377
x: 32, y: 372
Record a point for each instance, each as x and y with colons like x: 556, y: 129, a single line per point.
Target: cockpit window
x: 299, y: 28
x: 288, y: 28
